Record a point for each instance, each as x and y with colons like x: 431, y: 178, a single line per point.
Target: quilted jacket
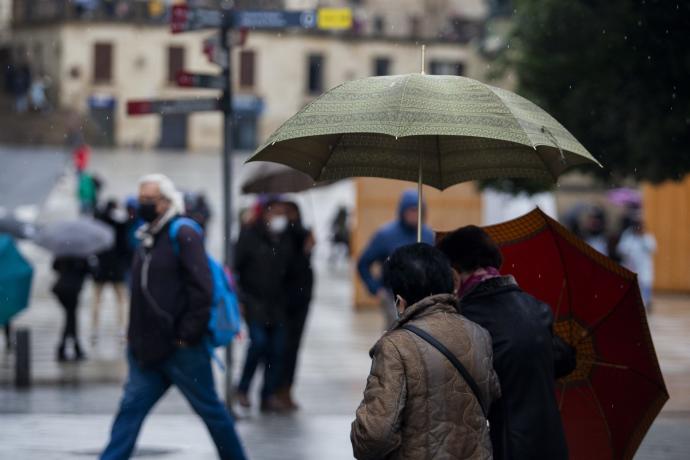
x: 416, y: 404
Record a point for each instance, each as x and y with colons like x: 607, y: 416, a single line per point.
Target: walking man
x: 385, y: 241
x: 171, y: 297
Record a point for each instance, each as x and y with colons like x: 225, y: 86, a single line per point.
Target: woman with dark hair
x: 417, y: 402
x: 528, y: 357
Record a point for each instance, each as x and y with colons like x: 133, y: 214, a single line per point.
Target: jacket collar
x: 427, y: 306
x: 491, y: 286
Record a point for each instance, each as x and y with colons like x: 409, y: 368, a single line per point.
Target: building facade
x: 99, y: 57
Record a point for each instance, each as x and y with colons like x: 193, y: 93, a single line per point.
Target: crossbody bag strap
x: 454, y: 361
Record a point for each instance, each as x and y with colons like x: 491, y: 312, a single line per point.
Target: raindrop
x: 603, y: 32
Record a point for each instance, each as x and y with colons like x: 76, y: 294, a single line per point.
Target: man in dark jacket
x: 386, y: 240
x: 263, y: 256
x: 528, y: 357
x: 171, y: 296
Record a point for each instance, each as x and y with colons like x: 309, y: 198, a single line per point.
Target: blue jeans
x: 190, y: 370
x: 267, y: 345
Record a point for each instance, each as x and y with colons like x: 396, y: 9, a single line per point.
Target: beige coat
x: 416, y: 404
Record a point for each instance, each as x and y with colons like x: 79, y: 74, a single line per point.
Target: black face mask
x: 147, y: 212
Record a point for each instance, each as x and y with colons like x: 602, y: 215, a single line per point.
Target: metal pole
x: 419, y: 201
x: 22, y: 376
x: 226, y: 44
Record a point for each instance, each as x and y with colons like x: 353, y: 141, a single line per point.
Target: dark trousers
x: 294, y: 330
x: 266, y: 346
x: 189, y: 369
x: 69, y: 301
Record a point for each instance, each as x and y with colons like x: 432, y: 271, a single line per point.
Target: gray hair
x: 167, y: 190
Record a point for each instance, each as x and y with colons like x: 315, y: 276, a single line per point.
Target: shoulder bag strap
x: 454, y: 361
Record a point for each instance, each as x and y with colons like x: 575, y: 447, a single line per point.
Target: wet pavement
x: 67, y: 414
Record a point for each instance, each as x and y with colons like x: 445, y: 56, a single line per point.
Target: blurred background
x: 616, y: 74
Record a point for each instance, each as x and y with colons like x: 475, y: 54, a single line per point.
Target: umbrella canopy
x: 77, y: 238
x: 439, y: 130
x: 17, y: 228
x: 15, y: 280
x: 274, y: 178
x: 609, y: 402
x: 461, y: 129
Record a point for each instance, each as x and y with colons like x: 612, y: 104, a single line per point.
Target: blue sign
x: 247, y: 103
x: 274, y: 19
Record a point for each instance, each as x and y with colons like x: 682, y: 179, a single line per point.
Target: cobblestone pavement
x: 68, y: 412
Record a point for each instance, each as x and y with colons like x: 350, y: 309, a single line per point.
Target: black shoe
x: 79, y: 353
x: 61, y: 355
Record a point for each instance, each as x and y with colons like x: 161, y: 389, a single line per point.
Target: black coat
x: 113, y: 263
x: 72, y: 272
x: 525, y: 422
x: 176, y: 304
x: 262, y: 264
x: 300, y: 273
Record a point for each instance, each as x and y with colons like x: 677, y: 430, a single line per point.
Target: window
x: 175, y: 62
x: 415, y: 26
x: 247, y: 68
x: 382, y: 66
x: 315, y: 74
x: 379, y: 25
x: 447, y: 68
x: 103, y: 62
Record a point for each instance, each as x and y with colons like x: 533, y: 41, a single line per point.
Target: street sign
x: 184, y: 19
x: 171, y: 106
x: 199, y: 80
x: 334, y: 19
x: 274, y: 19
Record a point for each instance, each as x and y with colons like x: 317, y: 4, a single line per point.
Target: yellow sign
x: 334, y: 18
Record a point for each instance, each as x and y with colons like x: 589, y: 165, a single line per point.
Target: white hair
x: 167, y: 190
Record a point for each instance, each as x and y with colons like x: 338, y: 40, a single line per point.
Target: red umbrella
x: 609, y: 402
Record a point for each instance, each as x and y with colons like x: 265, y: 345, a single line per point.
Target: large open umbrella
x: 15, y: 280
x: 76, y: 238
x: 433, y: 129
x: 608, y: 403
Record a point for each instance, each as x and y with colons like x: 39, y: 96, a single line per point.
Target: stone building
x: 100, y: 54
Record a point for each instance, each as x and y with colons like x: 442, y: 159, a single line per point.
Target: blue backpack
x: 225, y: 321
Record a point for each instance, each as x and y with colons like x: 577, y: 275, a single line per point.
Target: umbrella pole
x: 419, y: 201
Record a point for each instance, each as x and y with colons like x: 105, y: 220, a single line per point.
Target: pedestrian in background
x: 637, y: 248
x: 171, y: 296
x: 300, y: 285
x: 528, y: 357
x: 263, y: 256
x: 417, y: 403
x: 71, y: 273
x: 112, y: 266
x: 385, y: 241
x: 88, y: 189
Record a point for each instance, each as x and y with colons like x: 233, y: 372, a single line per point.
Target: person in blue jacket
x: 386, y: 240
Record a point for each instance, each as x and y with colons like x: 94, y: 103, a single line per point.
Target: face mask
x: 148, y: 212
x: 278, y: 224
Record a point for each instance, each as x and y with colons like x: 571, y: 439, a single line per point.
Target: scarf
x: 476, y: 278
x: 147, y: 232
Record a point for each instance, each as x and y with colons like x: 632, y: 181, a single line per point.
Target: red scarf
x: 476, y: 278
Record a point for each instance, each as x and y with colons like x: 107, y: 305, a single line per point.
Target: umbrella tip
x: 423, y: 59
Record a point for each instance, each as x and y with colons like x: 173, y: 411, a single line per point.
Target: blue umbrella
x: 15, y: 280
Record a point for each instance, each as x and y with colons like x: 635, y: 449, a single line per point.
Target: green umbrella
x: 15, y: 280
x: 438, y: 130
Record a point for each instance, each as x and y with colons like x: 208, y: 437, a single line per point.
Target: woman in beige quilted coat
x: 416, y: 403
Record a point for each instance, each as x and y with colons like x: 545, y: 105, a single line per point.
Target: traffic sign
x: 334, y: 18
x: 200, y: 80
x: 184, y: 18
x: 274, y: 19
x: 172, y: 106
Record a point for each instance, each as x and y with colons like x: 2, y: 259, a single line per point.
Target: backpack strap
x: 174, y: 230
x: 454, y: 361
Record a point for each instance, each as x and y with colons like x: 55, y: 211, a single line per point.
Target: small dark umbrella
x: 275, y: 178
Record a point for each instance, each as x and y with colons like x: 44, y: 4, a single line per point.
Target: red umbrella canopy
x: 609, y: 402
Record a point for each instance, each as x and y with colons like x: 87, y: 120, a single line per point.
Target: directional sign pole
x: 226, y: 46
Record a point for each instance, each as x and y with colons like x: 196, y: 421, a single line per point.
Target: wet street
x: 67, y: 414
